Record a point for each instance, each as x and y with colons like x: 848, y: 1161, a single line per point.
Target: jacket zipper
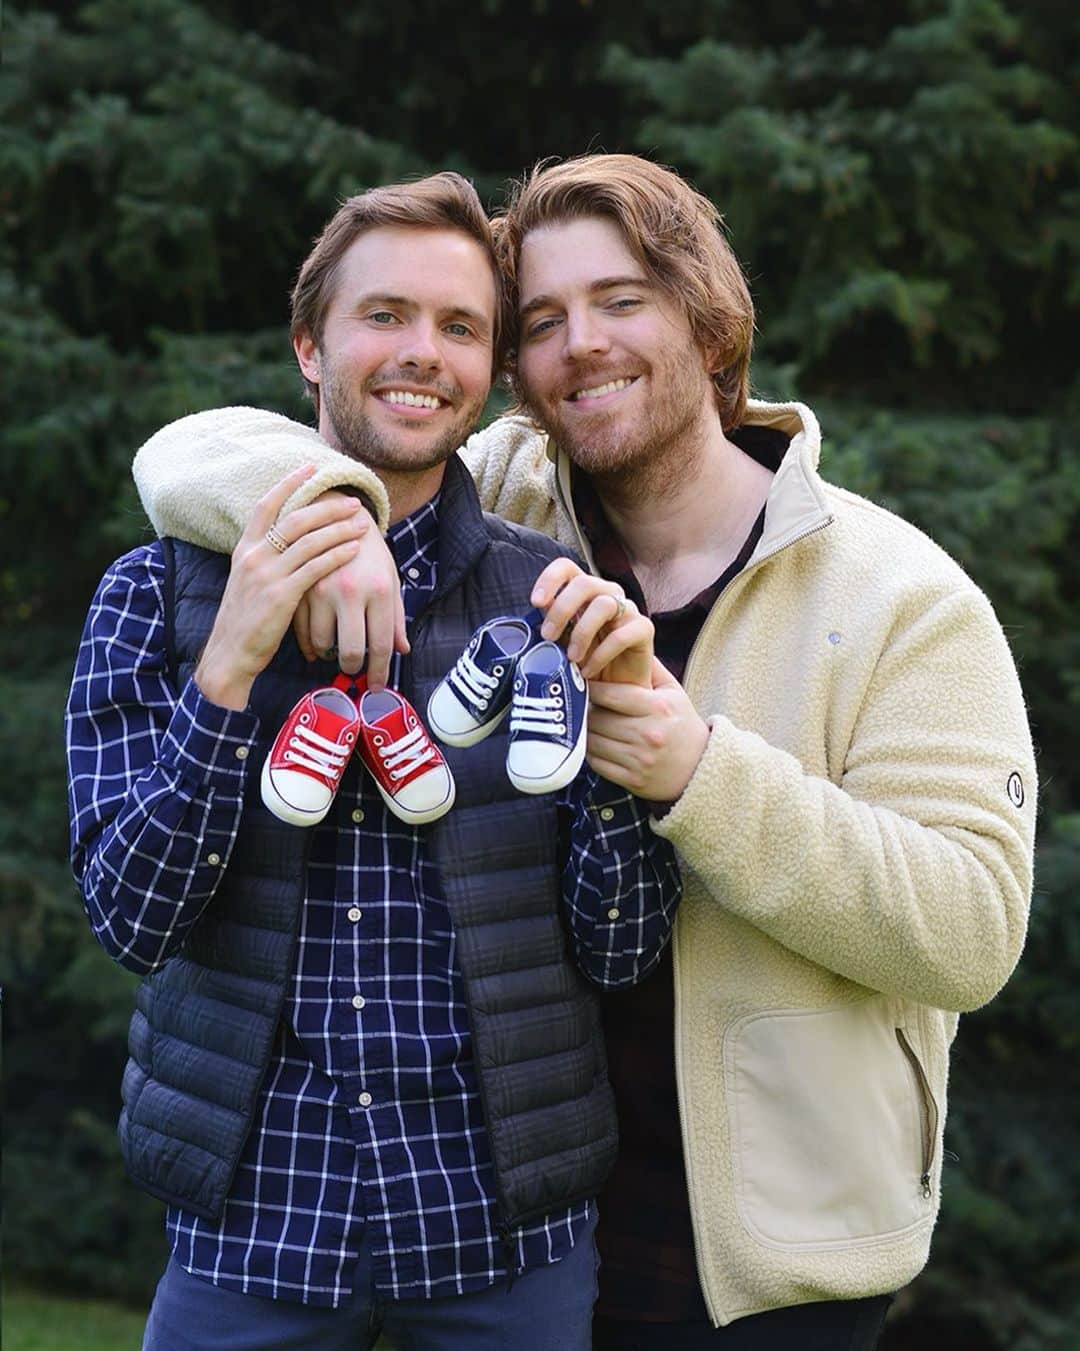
x: 722, y: 599
x: 929, y: 1114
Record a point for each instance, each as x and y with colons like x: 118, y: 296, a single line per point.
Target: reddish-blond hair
x: 674, y: 232
x: 443, y: 201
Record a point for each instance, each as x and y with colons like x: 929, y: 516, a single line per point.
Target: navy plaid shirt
x: 370, y: 1111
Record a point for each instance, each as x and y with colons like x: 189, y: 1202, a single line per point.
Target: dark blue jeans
x: 547, y: 1309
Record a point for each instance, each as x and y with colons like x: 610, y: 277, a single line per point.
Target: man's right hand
x: 265, y: 586
x: 356, y: 611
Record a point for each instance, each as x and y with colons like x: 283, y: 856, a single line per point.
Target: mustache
x: 445, y: 389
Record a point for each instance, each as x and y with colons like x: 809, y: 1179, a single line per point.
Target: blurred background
x: 900, y: 180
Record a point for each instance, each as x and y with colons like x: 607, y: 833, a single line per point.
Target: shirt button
x: 355, y: 913
x: 241, y: 752
x: 213, y: 859
x: 358, y: 815
x: 358, y: 1001
x: 607, y: 814
x: 364, y: 1099
x: 613, y: 913
x: 414, y: 573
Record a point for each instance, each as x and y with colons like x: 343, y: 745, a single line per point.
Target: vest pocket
x: 832, y: 1124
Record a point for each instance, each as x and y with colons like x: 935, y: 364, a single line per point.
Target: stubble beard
x: 647, y: 459
x: 357, y: 436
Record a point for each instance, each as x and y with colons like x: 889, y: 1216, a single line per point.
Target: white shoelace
x: 407, y: 752
x: 475, y: 684
x: 543, y: 715
x: 310, y: 750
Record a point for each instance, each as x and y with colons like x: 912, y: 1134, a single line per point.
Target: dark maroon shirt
x: 648, y: 1271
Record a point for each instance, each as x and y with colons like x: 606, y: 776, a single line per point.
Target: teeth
x: 411, y: 400
x: 609, y: 388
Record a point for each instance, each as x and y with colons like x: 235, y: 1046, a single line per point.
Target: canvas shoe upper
x: 409, y: 771
x: 548, y: 716
x: 474, y: 696
x: 301, y: 774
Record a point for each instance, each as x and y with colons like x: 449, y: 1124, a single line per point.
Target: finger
x: 573, y: 600
x: 616, y: 727
x: 324, y: 512
x: 268, y: 507
x: 381, y: 618
x: 323, y: 564
x: 554, y: 577
x: 661, y: 676
x: 627, y: 700
x: 612, y: 771
x: 634, y: 638
x: 316, y: 542
x: 598, y: 615
x: 323, y: 622
x: 351, y: 639
x: 401, y: 637
x: 302, y: 629
x: 611, y: 748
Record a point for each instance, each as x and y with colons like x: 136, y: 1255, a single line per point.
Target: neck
x: 684, y: 518
x: 407, y: 490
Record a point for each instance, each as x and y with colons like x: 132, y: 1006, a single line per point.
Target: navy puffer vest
x: 203, y: 1031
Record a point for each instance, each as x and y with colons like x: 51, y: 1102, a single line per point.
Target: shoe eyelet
x: 497, y: 670
x: 305, y: 717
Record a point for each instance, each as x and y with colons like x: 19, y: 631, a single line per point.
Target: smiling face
x: 404, y: 361
x: 606, y: 362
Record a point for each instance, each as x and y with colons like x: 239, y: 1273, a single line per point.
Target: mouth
x: 412, y: 403
x: 596, y: 396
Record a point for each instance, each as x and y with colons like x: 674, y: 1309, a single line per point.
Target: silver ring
x: 621, y: 602
x: 276, y: 540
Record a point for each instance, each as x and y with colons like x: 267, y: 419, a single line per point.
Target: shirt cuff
x: 207, y: 744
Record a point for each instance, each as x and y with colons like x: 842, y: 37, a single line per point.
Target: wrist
x: 222, y: 683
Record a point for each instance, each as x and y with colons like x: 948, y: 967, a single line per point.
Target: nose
x: 585, y: 335
x: 420, y: 348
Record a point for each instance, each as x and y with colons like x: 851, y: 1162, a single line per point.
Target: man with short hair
x: 366, y: 1071
x: 835, y: 743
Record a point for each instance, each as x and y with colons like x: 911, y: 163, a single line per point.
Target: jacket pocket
x: 929, y: 1115
x: 832, y: 1126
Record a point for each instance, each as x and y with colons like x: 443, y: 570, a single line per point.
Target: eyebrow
x: 406, y: 302
x: 542, y: 302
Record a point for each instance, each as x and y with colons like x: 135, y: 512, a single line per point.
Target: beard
x: 415, y: 448
x: 633, y: 457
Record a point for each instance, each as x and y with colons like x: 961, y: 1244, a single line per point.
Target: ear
x: 307, y: 356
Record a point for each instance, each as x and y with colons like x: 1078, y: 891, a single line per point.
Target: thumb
x: 661, y: 676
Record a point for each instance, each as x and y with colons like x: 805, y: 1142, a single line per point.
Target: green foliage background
x: 900, y: 181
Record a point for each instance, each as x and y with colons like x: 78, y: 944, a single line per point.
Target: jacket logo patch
x: 1015, y: 789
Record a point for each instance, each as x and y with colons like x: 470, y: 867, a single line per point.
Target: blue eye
x: 379, y: 316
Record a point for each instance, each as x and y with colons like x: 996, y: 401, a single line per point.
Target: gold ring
x: 276, y: 540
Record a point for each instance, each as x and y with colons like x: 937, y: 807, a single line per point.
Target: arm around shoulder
x: 200, y: 477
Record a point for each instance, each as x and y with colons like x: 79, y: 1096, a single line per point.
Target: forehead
x: 430, y: 267
x: 572, y: 255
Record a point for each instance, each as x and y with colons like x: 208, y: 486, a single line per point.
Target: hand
x: 265, y: 586
x: 648, y: 741
x: 355, y: 611
x: 605, y: 632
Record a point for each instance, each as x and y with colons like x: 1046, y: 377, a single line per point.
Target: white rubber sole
x: 463, y: 739
x: 285, y: 811
x: 566, y: 773
x: 417, y: 818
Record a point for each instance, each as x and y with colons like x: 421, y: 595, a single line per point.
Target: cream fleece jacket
x: 856, y: 846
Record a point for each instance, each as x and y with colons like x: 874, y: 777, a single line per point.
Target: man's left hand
x: 646, y: 740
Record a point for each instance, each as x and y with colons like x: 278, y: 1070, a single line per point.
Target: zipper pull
x: 924, y: 1182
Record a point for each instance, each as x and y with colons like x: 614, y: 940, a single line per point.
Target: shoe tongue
x: 384, y: 711
x: 330, y: 719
